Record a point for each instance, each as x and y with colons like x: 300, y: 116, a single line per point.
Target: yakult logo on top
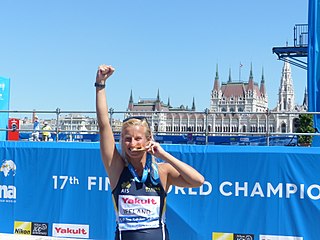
x: 70, y: 230
x: 135, y: 200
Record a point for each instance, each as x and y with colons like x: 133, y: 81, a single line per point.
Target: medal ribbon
x: 152, y: 167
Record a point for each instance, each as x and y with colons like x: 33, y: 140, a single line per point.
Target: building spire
x: 262, y: 84
x: 131, y: 97
x: 130, y: 105
x: 216, y: 85
x: 193, y: 105
x: 229, y: 81
x: 250, y: 83
x: 251, y: 74
x: 158, y: 96
x: 286, y: 92
x: 169, y: 105
x: 217, y: 73
x: 158, y: 102
x: 305, y: 99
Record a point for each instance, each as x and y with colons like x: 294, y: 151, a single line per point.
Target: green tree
x: 305, y: 126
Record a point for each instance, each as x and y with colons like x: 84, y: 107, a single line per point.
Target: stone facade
x: 235, y: 107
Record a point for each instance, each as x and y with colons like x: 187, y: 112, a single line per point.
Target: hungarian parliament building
x: 235, y: 108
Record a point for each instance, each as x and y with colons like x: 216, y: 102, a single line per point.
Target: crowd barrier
x: 242, y: 140
x: 61, y: 190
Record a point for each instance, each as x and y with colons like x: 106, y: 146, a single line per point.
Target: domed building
x: 235, y: 103
x: 236, y: 108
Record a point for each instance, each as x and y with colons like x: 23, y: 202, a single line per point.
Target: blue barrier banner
x: 62, y: 190
x: 4, y: 105
x: 314, y: 59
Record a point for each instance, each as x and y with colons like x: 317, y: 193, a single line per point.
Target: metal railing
x: 301, y: 35
x: 205, y: 115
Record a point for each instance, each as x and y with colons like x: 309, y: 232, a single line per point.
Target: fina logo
x: 7, y: 167
x: 8, y: 192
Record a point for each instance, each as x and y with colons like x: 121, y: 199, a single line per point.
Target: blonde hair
x: 140, y: 121
x: 132, y: 121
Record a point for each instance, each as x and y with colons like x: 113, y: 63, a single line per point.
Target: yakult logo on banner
x: 70, y: 230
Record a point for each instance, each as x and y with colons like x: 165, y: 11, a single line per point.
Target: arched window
x: 232, y: 110
x: 283, y: 128
x: 224, y: 110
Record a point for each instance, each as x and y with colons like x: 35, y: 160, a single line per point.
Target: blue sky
x: 51, y: 49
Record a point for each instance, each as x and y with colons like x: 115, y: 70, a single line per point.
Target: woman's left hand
x: 155, y: 149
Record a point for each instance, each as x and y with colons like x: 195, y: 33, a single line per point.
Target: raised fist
x: 104, y: 71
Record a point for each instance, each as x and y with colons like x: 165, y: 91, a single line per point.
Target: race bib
x: 138, y: 212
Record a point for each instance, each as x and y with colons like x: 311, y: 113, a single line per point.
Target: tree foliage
x: 305, y: 126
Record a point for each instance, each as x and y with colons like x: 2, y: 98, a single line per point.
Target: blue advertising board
x: 62, y: 190
x: 314, y: 63
x: 4, y: 105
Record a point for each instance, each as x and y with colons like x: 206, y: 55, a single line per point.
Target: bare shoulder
x: 164, y: 167
x: 165, y: 170
x: 114, y: 170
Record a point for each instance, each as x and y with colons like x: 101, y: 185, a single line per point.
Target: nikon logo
x: 22, y: 228
x: 22, y: 231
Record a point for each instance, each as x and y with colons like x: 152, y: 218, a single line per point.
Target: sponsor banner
x: 4, y: 236
x: 237, y: 236
x: 7, y: 174
x: 23, y: 228
x: 39, y: 229
x: 231, y: 236
x: 30, y: 228
x: 273, y: 237
x: 70, y: 230
x: 255, y: 191
x: 222, y: 236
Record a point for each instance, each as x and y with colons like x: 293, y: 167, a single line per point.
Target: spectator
x: 46, y: 131
x: 36, y: 129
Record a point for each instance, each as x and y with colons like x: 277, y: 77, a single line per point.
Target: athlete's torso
x: 140, y: 209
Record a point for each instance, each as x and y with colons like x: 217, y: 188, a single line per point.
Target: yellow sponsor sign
x: 23, y: 228
x: 222, y: 236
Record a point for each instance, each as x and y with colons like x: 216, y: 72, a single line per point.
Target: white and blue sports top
x: 140, y: 207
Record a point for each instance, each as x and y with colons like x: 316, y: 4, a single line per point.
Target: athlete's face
x: 134, y: 140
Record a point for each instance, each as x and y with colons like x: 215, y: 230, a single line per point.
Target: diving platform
x: 298, y: 53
